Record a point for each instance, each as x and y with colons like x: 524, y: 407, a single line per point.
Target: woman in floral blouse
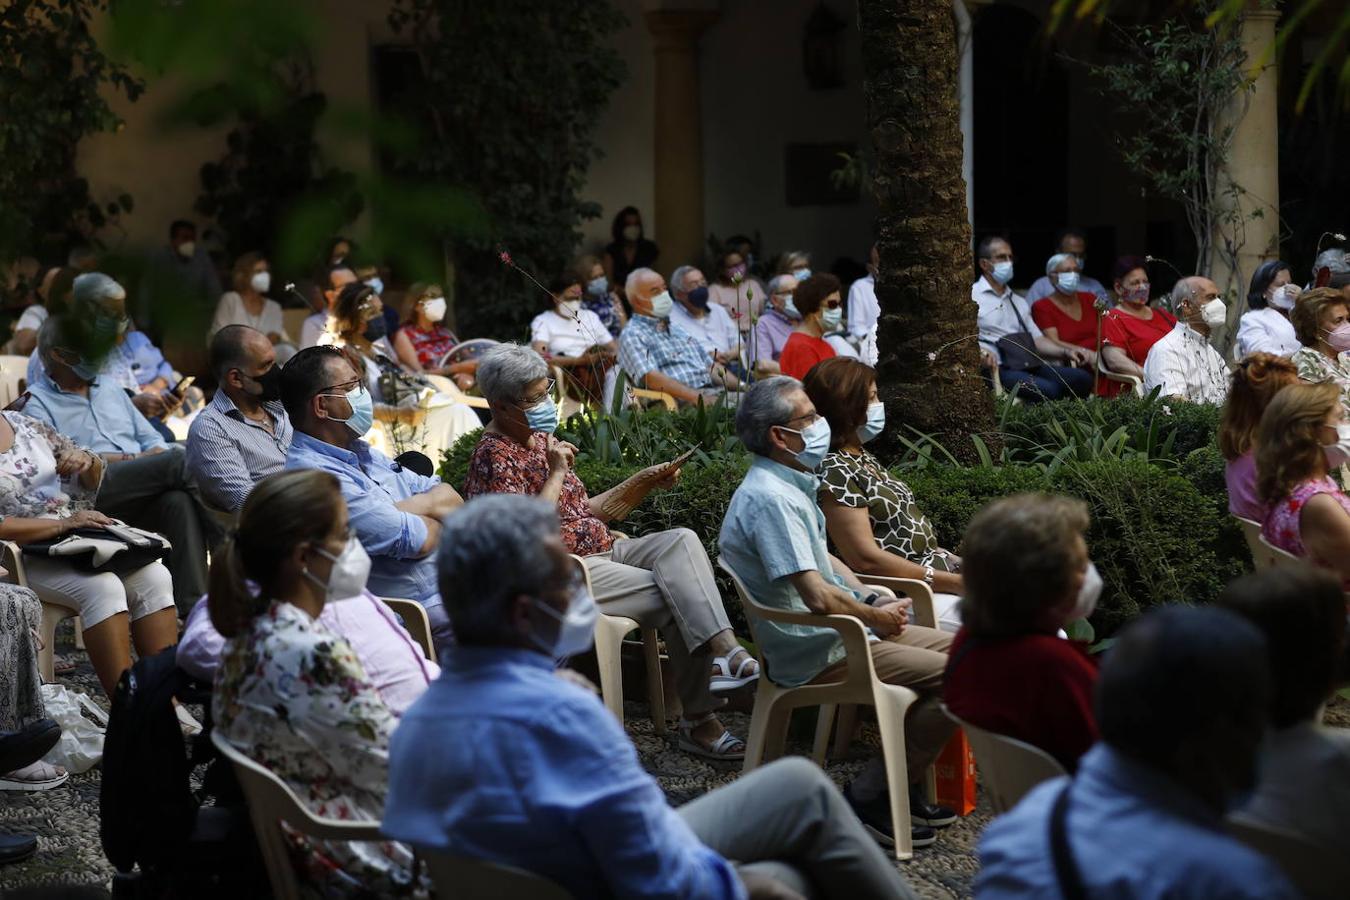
x: 47, y: 490
x: 1321, y: 320
x: 662, y: 580
x: 424, y: 340
x: 1297, y: 444
x: 290, y: 694
x: 869, y: 513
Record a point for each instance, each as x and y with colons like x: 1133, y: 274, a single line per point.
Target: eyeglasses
x: 531, y: 403
x: 812, y: 415
x: 833, y: 304
x: 343, y: 388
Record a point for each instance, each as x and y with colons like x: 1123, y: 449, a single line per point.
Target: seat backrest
x: 1278, y: 555
x: 11, y: 558
x: 1009, y: 768
x: 293, y: 320
x: 477, y: 879
x: 1262, y: 558
x: 13, y: 371
x: 271, y: 802
x: 415, y: 619
x: 1319, y: 873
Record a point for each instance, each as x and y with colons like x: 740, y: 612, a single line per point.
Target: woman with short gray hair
x: 1068, y: 314
x: 662, y: 580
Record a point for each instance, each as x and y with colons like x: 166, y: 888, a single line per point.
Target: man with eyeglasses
x: 395, y: 513
x: 1012, y: 342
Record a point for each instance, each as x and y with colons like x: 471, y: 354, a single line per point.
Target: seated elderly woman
x: 1028, y: 574
x: 1321, y: 319
x: 419, y: 416
x: 1265, y: 327
x: 1255, y: 382
x: 549, y: 781
x: 424, y: 340
x: 1068, y: 316
x: 23, y: 719
x: 601, y: 297
x: 290, y: 694
x: 662, y: 580
x: 869, y: 513
x: 574, y: 339
x: 1304, y: 788
x: 248, y: 304
x: 1131, y: 329
x: 1303, y: 435
x: 47, y: 491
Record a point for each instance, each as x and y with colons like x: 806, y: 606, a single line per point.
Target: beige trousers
x: 665, y: 581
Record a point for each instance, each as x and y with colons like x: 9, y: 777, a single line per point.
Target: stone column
x: 678, y: 217
x: 1253, y: 165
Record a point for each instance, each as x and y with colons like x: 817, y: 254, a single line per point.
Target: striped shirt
x: 227, y: 453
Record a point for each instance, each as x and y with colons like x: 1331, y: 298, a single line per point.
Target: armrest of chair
x: 11, y: 557
x: 1135, y: 382
x: 925, y: 613
x: 662, y: 396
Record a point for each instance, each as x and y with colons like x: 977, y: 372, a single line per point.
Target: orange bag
x: 955, y: 769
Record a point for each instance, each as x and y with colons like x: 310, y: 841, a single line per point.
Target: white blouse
x: 231, y: 311
x: 1265, y: 331
x: 569, y: 337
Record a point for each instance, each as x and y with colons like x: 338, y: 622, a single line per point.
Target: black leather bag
x: 1018, y: 349
x: 138, y: 550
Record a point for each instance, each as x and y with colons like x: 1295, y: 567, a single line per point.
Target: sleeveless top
x: 430, y: 345
x: 1281, y: 527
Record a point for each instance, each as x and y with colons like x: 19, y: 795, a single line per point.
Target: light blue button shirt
x: 774, y: 528
x: 105, y: 421
x: 1134, y: 834
x: 502, y: 760
x: 650, y: 344
x: 371, y: 483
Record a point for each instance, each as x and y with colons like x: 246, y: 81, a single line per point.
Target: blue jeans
x: 1046, y: 382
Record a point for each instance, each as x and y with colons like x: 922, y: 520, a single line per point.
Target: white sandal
x: 727, y: 747
x: 725, y: 679
x: 38, y: 776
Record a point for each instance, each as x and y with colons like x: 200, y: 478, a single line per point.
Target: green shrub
x: 1188, y: 425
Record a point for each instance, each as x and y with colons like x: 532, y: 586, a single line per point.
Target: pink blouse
x: 1281, y: 527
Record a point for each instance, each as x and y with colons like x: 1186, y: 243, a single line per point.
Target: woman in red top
x: 424, y: 340
x: 1131, y: 329
x: 1068, y: 316
x: 1026, y: 572
x: 817, y: 299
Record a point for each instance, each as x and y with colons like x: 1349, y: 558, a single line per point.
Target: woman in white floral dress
x: 1321, y: 320
x: 292, y: 695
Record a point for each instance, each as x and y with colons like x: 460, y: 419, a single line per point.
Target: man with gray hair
x: 708, y: 323
x: 773, y: 538
x: 530, y: 770
x: 658, y: 354
x: 662, y: 580
x: 1182, y: 364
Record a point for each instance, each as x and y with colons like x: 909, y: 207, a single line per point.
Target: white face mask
x: 1338, y: 454
x: 576, y: 627
x: 1088, y: 594
x: 187, y: 249
x: 875, y: 424
x: 1214, y: 313
x: 434, y: 308
x: 570, y: 308
x: 347, y: 579
x: 1283, y: 298
x: 632, y: 232
x: 261, y: 282
x: 661, y: 304
x: 831, y: 318
x: 1068, y: 282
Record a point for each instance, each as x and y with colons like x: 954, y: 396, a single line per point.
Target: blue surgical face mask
x: 1068, y: 282
x: 576, y: 627
x: 661, y: 304
x: 832, y: 318
x: 790, y: 308
x: 543, y: 416
x: 363, y: 410
x: 801, y: 274
x: 875, y: 424
x: 598, y: 287
x: 816, y: 443
x: 376, y: 284
x: 1003, y: 271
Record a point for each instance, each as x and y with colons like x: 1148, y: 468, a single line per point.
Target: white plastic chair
x: 609, y: 634
x: 1279, y: 557
x: 1009, y: 768
x: 475, y: 879
x: 13, y: 374
x: 11, y: 557
x: 1136, y: 384
x: 1319, y: 873
x: 774, y: 703
x: 1262, y: 558
x: 271, y: 802
x: 415, y: 619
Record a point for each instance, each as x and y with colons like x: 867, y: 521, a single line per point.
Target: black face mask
x: 270, y: 382
x: 376, y: 328
x: 699, y: 297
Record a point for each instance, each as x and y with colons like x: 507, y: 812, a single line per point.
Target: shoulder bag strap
x: 1066, y: 870
x: 1012, y: 301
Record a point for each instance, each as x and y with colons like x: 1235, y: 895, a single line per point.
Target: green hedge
x: 1195, y: 425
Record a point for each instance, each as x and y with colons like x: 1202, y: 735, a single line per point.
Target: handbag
x: 118, y: 548
x: 1017, y: 350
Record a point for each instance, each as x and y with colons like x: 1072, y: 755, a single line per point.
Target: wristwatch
x: 871, y: 599
x: 928, y: 575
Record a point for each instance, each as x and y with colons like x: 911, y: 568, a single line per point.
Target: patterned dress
x: 859, y: 481
x: 501, y: 466
x: 20, y: 684
x: 292, y: 696
x: 1282, y: 525
x: 1315, y: 368
x: 431, y: 345
x: 29, y: 485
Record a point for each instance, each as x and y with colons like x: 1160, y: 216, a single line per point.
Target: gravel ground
x: 66, y: 818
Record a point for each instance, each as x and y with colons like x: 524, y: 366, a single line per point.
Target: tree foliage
x: 54, y: 84
x: 512, y: 91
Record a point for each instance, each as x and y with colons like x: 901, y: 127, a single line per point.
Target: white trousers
x: 98, y: 596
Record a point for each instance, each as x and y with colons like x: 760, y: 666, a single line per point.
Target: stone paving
x: 66, y: 818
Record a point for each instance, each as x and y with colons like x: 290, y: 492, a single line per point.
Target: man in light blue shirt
x: 708, y: 323
x: 505, y: 760
x: 394, y: 512
x: 773, y: 537
x: 147, y: 484
x: 1181, y: 706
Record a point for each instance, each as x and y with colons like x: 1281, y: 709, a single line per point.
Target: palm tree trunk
x: 929, y: 369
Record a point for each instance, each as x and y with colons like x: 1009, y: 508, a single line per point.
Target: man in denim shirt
x: 395, y: 513
x: 503, y: 760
